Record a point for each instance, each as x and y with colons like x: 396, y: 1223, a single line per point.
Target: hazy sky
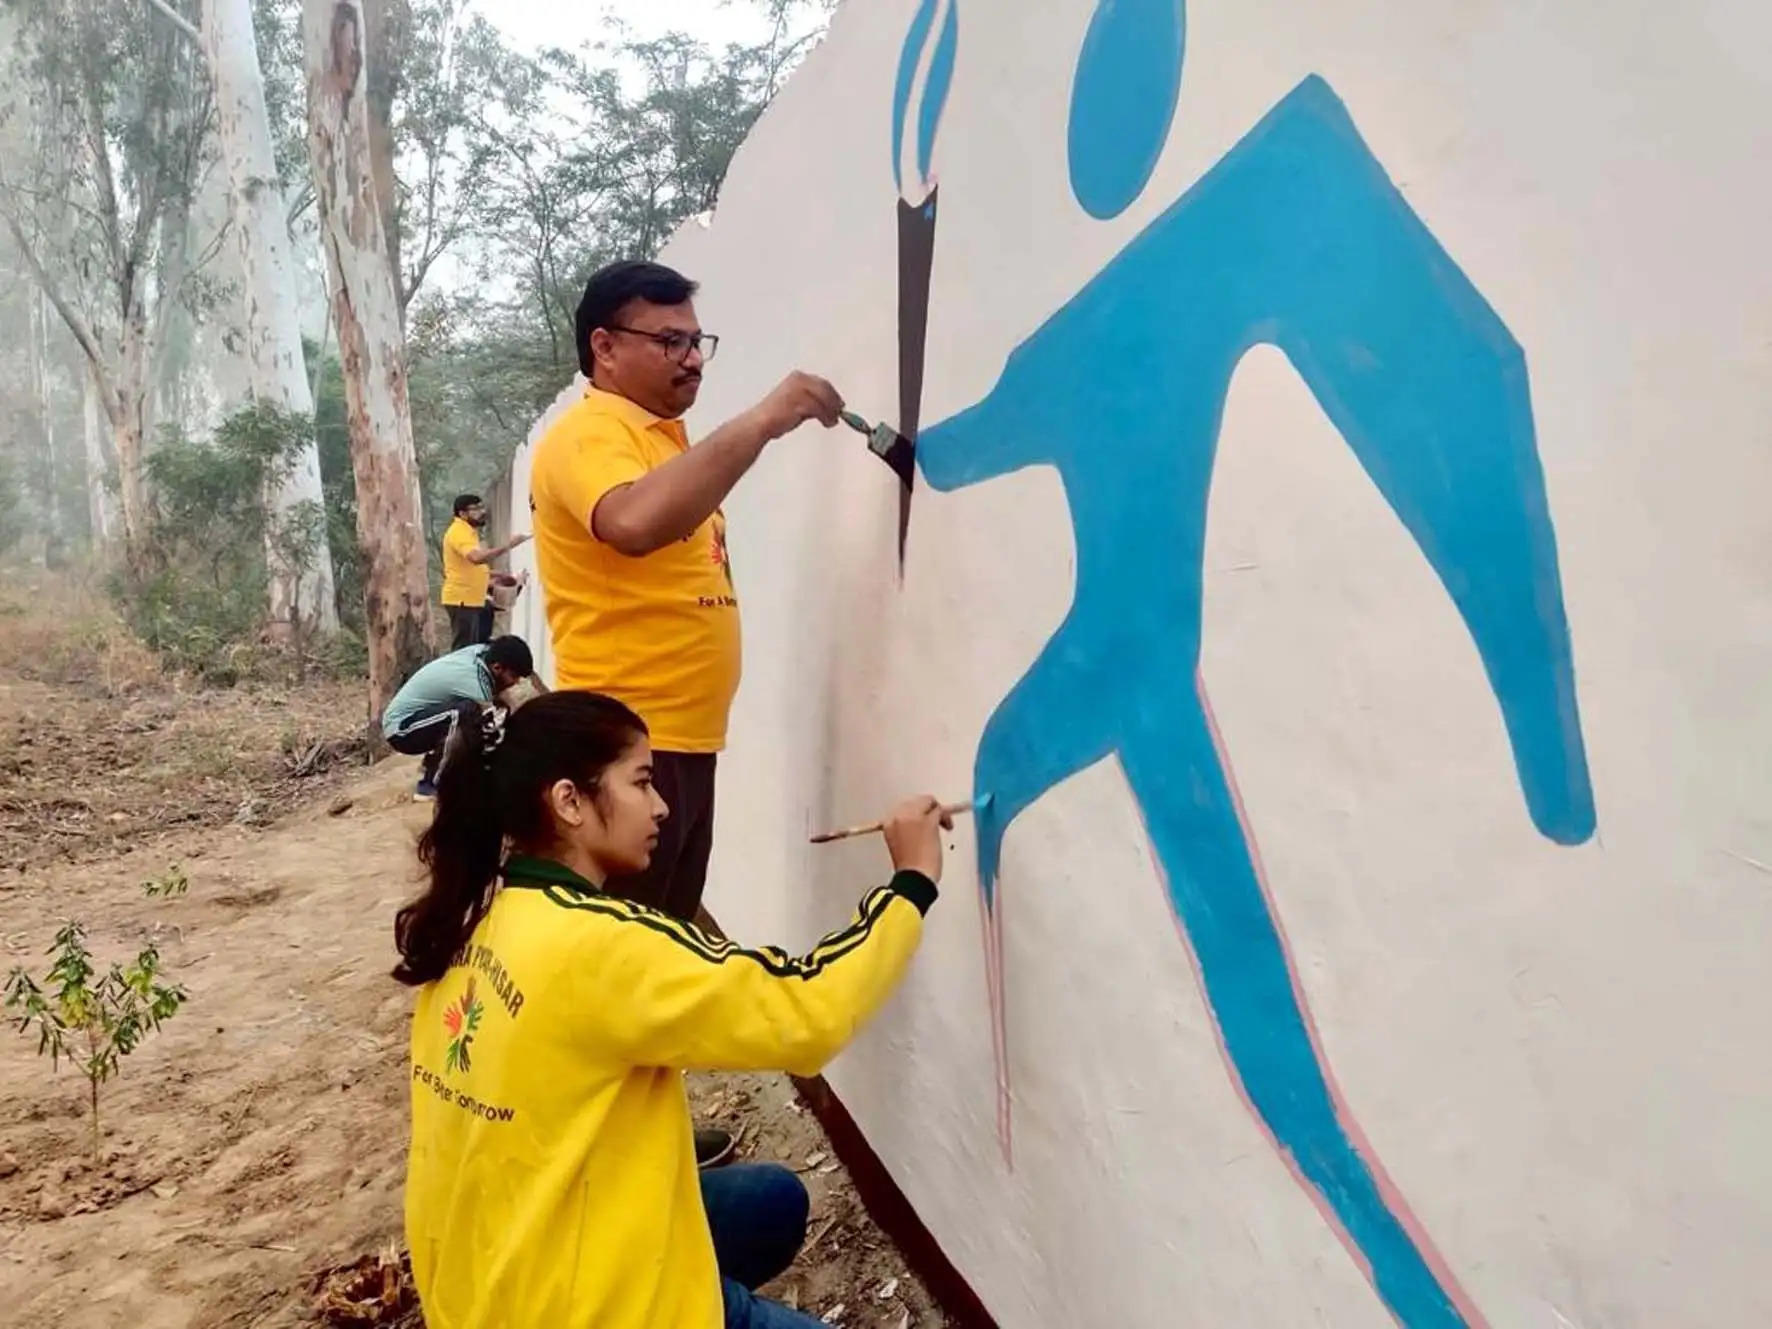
x: 534, y: 23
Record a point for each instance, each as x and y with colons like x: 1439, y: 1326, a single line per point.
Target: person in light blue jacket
x: 420, y: 718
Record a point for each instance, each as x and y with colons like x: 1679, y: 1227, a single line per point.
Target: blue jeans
x: 757, y: 1213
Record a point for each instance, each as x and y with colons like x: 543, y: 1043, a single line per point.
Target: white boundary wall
x: 1558, y: 1052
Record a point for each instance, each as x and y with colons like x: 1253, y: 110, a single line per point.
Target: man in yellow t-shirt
x: 467, y: 573
x: 630, y: 543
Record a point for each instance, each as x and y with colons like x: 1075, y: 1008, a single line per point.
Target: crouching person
x: 552, y: 1180
x: 419, y: 719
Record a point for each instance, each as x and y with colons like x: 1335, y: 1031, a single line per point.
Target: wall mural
x: 1297, y: 239
x: 925, y: 69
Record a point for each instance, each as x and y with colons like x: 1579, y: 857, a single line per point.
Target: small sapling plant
x: 173, y: 882
x: 92, y: 1019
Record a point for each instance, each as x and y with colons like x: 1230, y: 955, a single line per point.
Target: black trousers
x: 679, y: 872
x: 424, y: 735
x: 469, y: 625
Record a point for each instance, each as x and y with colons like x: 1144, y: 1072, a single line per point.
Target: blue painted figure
x: 1297, y: 239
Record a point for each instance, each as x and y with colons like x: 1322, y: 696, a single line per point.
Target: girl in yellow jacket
x: 552, y: 1182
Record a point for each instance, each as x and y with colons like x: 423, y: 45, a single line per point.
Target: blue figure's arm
x: 1058, y: 719
x: 1430, y: 391
x: 1297, y: 238
x: 999, y: 435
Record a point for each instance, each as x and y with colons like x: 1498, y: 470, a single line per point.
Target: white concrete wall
x: 1557, y: 1053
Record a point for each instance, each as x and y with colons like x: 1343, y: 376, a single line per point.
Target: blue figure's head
x: 1123, y: 100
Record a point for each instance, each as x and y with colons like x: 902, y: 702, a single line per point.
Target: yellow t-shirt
x: 552, y: 1180
x: 464, y: 583
x: 661, y: 632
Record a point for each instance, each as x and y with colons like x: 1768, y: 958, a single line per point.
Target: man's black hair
x: 610, y: 289
x: 465, y: 501
x: 512, y: 653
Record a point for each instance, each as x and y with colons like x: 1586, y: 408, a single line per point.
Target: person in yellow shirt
x: 552, y: 1180
x: 630, y: 543
x: 468, y: 574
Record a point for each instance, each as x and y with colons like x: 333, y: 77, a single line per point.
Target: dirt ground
x: 254, y: 1148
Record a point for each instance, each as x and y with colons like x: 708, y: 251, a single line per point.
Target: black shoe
x: 713, y: 1147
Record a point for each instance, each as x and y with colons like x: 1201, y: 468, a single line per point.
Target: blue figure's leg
x: 1191, y: 812
x: 1448, y: 439
x: 1057, y: 720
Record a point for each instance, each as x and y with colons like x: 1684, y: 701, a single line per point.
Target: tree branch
x: 178, y: 21
x: 210, y: 250
x: 77, y: 326
x: 103, y: 178
x: 55, y: 198
x: 300, y: 204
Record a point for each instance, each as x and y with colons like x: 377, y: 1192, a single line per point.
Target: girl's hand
x: 913, y: 836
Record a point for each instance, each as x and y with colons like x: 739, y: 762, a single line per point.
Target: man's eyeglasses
x: 677, y: 345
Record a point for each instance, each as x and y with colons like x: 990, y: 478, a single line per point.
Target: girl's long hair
x: 496, y: 771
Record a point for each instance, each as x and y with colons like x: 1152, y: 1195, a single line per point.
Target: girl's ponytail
x: 497, y: 767
x: 462, y: 847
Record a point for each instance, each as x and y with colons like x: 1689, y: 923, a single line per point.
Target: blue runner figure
x: 1297, y: 239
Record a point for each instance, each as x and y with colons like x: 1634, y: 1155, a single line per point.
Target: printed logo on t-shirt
x: 462, y: 1020
x: 719, y: 553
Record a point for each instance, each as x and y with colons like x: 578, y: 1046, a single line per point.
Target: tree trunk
x: 126, y: 408
x: 366, y: 314
x: 43, y: 398
x: 98, y: 494
x: 301, y: 597
x: 168, y: 357
x: 388, y: 35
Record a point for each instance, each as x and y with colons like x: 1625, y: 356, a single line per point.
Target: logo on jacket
x: 462, y: 1020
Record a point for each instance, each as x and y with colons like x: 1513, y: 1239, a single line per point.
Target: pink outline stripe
x: 991, y: 917
x: 1387, y: 1189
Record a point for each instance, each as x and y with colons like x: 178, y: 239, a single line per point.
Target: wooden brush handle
x: 875, y: 827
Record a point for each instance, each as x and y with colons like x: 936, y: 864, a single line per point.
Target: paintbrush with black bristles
x: 888, y: 445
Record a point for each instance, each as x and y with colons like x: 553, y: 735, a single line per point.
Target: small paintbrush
x: 888, y: 445
x: 875, y: 827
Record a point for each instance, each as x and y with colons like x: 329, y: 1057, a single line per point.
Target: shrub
x: 196, y: 590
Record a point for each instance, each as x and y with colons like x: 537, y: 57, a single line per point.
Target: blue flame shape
x: 935, y: 90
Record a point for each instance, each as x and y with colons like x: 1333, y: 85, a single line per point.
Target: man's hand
x: 796, y: 399
x: 913, y: 836
x: 485, y: 554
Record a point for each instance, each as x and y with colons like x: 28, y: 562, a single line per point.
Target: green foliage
x: 172, y: 882
x: 533, y: 171
x: 332, y: 440
x: 197, y: 592
x: 43, y: 503
x: 516, y: 175
x: 577, y: 159
x: 108, y: 116
x: 92, y: 1019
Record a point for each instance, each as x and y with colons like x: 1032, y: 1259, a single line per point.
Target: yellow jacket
x: 552, y: 1180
